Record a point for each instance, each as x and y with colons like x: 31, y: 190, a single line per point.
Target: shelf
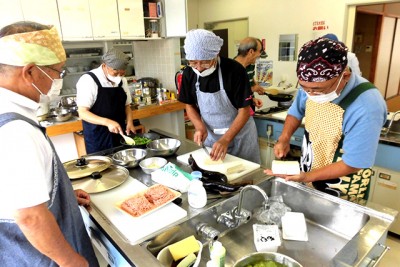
x: 84, y: 57
x: 157, y: 18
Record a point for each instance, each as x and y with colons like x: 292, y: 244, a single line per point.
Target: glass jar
x: 153, y: 23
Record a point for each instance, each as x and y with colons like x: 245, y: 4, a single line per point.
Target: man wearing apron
x: 344, y: 114
x: 217, y: 95
x: 103, y: 100
x: 40, y: 221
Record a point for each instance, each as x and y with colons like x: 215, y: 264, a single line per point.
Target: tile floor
x: 391, y: 259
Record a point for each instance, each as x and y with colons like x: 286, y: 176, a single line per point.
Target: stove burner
x: 270, y: 110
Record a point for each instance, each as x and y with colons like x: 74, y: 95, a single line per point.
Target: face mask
x: 44, y: 103
x: 204, y: 73
x: 324, y: 98
x: 114, y: 79
x: 55, y: 88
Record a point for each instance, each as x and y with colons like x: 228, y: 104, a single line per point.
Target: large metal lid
x: 85, y: 166
x: 102, y: 181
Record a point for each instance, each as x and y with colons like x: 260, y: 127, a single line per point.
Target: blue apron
x: 15, y: 249
x: 218, y: 113
x: 110, y: 103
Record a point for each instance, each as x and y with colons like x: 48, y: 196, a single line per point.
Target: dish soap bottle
x: 217, y: 254
x: 197, y: 195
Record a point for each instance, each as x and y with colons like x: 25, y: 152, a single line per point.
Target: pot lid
x: 102, y: 181
x: 85, y: 166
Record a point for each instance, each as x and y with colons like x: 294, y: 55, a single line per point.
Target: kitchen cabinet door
x: 75, y: 20
x: 42, y: 11
x: 131, y: 20
x: 175, y: 18
x: 10, y: 12
x: 104, y: 16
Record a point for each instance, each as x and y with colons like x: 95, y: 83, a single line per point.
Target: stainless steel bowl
x: 164, y: 147
x: 60, y: 114
x: 129, y: 158
x: 152, y: 164
x: 263, y: 256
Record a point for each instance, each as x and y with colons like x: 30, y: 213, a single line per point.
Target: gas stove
x: 270, y: 110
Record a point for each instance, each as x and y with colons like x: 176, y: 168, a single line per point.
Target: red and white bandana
x: 321, y: 59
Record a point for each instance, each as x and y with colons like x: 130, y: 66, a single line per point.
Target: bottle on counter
x: 197, y: 195
x: 217, y: 254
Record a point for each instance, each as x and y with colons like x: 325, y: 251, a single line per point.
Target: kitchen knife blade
x: 205, y: 149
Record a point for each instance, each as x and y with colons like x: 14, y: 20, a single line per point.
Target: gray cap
x: 116, y: 59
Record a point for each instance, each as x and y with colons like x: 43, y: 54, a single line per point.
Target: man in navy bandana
x: 344, y: 114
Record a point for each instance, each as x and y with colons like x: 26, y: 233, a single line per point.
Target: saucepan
x: 280, y: 97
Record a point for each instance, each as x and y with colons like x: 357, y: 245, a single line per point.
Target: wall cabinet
x: 104, y: 17
x: 75, y: 20
x: 131, y: 20
x: 175, y: 18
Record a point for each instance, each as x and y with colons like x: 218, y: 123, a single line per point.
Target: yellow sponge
x: 187, y: 261
x: 184, y: 247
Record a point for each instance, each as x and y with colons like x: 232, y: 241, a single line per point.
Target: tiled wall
x: 158, y: 59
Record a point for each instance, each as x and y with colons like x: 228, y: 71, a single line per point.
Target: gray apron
x: 218, y: 113
x: 15, y: 249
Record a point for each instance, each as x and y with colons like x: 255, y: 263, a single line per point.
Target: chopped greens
x: 266, y: 263
x: 139, y: 140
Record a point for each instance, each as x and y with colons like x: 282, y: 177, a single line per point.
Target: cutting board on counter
x: 134, y: 230
x: 230, y: 161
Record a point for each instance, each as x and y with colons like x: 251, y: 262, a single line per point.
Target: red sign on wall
x: 320, y: 25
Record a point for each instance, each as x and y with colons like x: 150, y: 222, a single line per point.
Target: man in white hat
x: 103, y: 100
x: 40, y: 221
x: 217, y: 95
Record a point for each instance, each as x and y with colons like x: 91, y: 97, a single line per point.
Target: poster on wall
x: 264, y: 72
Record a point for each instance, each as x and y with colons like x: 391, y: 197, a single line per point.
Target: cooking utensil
x: 129, y: 158
x: 164, y: 147
x: 128, y: 139
x: 205, y: 149
x: 102, y: 181
x: 151, y: 136
x: 272, y: 91
x: 280, y: 97
x: 150, y: 165
x: 264, y: 256
x: 85, y: 166
x: 60, y: 114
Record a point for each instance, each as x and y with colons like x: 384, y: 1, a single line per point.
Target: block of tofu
x: 285, y: 167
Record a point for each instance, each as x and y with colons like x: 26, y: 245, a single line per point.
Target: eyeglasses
x: 62, y: 73
x: 322, y: 91
x: 205, y: 64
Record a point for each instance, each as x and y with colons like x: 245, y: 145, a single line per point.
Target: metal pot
x: 264, y: 256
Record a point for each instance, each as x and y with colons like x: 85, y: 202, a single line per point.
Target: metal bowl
x: 151, y: 136
x: 164, y: 147
x: 152, y: 164
x: 260, y: 256
x: 60, y: 114
x: 129, y: 158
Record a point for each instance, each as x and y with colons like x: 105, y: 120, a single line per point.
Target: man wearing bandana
x: 40, y: 221
x: 344, y: 114
x: 217, y: 95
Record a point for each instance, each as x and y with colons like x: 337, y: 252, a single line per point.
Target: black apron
x: 110, y: 103
x: 15, y: 249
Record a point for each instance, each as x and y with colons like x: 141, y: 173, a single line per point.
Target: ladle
x: 128, y: 139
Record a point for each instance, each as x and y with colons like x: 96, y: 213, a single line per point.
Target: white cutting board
x: 134, y: 230
x: 229, y: 161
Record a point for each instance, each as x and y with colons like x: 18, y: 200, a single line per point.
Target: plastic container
x: 266, y: 237
x: 197, y: 195
x: 217, y: 254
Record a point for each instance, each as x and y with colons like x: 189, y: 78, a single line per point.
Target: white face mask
x: 56, y: 85
x: 324, y: 98
x: 44, y: 103
x: 205, y: 72
x: 114, y: 79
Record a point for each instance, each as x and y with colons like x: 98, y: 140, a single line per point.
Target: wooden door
x: 223, y: 33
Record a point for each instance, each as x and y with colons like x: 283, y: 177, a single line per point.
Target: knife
x: 205, y: 149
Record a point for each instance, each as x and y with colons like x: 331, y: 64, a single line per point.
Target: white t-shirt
x: 86, y: 88
x: 25, y: 158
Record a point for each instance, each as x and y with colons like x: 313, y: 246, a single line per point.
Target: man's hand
x: 257, y: 102
x: 199, y: 136
x: 219, y: 149
x: 257, y: 89
x: 295, y: 178
x: 83, y: 198
x: 281, y: 149
x: 113, y: 126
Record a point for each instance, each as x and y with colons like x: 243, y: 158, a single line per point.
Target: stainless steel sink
x: 340, y: 233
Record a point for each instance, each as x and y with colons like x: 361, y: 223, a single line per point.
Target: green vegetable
x: 266, y: 263
x: 141, y: 140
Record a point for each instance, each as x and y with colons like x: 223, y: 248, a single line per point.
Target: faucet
x: 238, y: 215
x: 387, y: 129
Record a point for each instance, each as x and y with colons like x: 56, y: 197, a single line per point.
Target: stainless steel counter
x: 138, y: 255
